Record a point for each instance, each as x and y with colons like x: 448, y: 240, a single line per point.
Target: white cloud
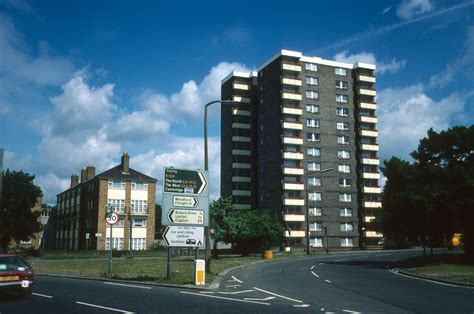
x: 182, y: 152
x: 50, y: 185
x: 409, y: 9
x: 406, y: 114
x: 11, y: 161
x: 367, y: 57
x: 464, y: 63
x: 386, y: 10
x: 17, y: 61
x: 81, y: 108
x: 137, y: 126
x: 189, y: 102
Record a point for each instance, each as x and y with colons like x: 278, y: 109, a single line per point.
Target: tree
x: 158, y: 211
x: 432, y: 198
x: 17, y: 221
x: 249, y: 230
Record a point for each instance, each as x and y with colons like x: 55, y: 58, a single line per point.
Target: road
x: 343, y: 283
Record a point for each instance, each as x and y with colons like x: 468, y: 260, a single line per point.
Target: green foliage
x: 249, y: 230
x: 17, y: 221
x: 432, y: 198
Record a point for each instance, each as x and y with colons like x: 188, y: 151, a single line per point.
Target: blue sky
x: 83, y: 81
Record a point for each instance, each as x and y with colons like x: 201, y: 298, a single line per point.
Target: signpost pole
x: 168, y: 265
x: 110, y: 251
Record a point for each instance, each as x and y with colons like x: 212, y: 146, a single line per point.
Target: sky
x: 83, y: 81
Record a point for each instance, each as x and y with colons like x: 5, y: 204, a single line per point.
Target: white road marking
x: 312, y: 267
x: 264, y: 299
x: 428, y: 280
x: 349, y: 311
x: 207, y: 292
x: 103, y: 307
x: 341, y: 260
x: 328, y: 281
x: 235, y: 292
x: 321, y: 264
x: 42, y: 295
x: 224, y: 298
x: 232, y: 286
x: 235, y: 278
x: 314, y: 274
x: 126, y: 285
x: 277, y: 295
x: 300, y: 305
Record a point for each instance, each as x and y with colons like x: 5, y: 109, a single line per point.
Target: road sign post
x: 185, y: 209
x: 111, y: 218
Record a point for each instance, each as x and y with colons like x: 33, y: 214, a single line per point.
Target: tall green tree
x: 17, y: 221
x: 218, y: 211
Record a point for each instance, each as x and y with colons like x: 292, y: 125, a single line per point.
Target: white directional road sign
x: 185, y: 201
x: 186, y: 216
x: 182, y: 236
x: 185, y: 197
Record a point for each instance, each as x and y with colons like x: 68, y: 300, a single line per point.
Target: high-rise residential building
x: 301, y: 141
x: 79, y: 218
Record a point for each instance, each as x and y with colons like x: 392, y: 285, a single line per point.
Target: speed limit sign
x: 112, y: 218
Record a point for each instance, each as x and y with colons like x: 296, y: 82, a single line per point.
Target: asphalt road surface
x: 357, y: 282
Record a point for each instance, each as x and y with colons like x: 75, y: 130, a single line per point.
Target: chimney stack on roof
x: 125, y: 163
x: 83, y: 175
x: 74, y: 180
x: 90, y: 171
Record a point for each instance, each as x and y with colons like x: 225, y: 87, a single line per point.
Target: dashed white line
x: 314, y: 274
x: 232, y: 286
x: 126, y: 285
x: 328, y: 281
x: 341, y: 260
x: 321, y: 264
x: 103, y: 307
x: 235, y: 292
x: 300, y: 305
x: 224, y: 298
x: 278, y: 295
x: 235, y: 278
x: 312, y: 267
x: 207, y: 292
x: 257, y: 299
x: 349, y: 311
x: 42, y: 295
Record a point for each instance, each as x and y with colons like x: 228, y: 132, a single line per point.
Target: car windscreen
x: 10, y: 263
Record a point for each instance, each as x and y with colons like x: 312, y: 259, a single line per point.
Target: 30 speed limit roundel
x: 112, y: 218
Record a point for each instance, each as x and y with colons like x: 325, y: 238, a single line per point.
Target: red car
x: 16, y: 274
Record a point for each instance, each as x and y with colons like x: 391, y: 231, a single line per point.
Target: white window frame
x: 346, y: 182
x: 345, y: 212
x: 313, y: 137
x: 139, y: 222
x: 311, y: 108
x: 117, y: 205
x: 138, y: 244
x: 312, y: 94
x: 312, y: 123
x: 315, y: 196
x: 344, y: 168
x: 314, y: 166
x: 316, y: 242
x: 313, y: 151
x: 342, y: 112
x: 117, y: 243
x: 316, y: 226
x: 340, y: 71
x: 346, y: 226
x: 345, y: 197
x: 314, y: 181
x: 115, y: 184
x: 342, y: 84
x: 316, y: 211
x: 343, y: 154
x: 342, y: 140
x: 342, y: 98
x: 347, y: 242
x: 139, y: 206
x: 312, y: 80
x: 139, y: 186
x: 342, y: 126
x: 311, y: 67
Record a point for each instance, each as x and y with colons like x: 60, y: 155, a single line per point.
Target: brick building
x: 79, y: 218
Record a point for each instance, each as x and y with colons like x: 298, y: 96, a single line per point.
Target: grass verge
x: 451, y: 267
x: 146, y: 269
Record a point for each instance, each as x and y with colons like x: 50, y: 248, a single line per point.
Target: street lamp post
x: 206, y: 168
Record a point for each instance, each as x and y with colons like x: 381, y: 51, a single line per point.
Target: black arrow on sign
x: 170, y: 218
x: 164, y: 236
